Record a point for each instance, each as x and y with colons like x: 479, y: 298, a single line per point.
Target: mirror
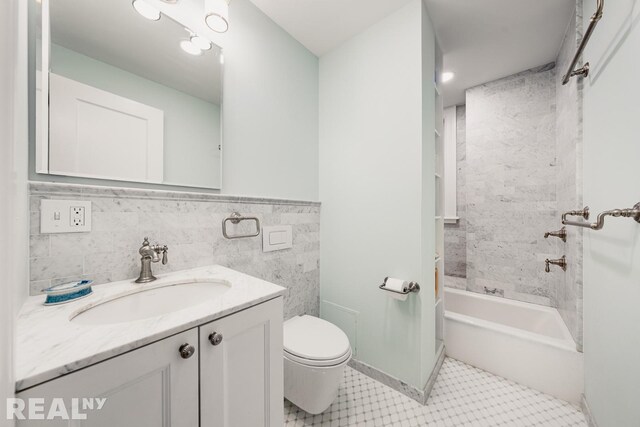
x: 130, y: 98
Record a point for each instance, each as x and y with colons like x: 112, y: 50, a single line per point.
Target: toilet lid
x: 312, y: 338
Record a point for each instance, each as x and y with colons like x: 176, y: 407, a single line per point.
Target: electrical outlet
x: 76, y: 214
x: 65, y: 216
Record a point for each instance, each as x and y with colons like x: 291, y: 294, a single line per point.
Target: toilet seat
x: 312, y: 341
x: 318, y: 363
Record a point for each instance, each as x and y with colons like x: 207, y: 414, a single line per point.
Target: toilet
x: 315, y: 355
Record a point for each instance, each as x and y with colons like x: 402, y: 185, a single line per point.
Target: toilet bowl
x: 315, y: 355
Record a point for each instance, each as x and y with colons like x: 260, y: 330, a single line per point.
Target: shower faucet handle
x: 562, y: 263
x: 562, y: 234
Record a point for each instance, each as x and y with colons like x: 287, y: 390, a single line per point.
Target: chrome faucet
x: 150, y: 253
x: 562, y: 234
x: 562, y: 263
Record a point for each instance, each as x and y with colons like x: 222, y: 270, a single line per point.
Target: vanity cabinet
x: 228, y: 372
x: 152, y: 386
x: 241, y: 369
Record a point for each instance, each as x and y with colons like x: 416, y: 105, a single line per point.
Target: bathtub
x: 526, y: 343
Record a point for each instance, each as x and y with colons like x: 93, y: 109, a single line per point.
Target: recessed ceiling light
x: 190, y: 48
x: 447, y: 76
x: 201, y: 43
x: 217, y: 15
x: 146, y: 10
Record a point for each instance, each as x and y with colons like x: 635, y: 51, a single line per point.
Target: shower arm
x: 599, y: 224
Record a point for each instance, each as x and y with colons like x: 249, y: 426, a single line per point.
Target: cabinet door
x: 241, y: 378
x: 153, y: 386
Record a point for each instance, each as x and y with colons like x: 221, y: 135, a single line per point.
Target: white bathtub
x: 523, y: 342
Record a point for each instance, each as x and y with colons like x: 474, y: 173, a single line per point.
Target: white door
x: 97, y: 134
x: 241, y: 377
x: 153, y: 386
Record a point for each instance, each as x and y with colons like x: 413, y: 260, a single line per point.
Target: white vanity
x: 214, y: 360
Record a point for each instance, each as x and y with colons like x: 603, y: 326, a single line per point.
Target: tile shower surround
x: 565, y: 288
x: 190, y: 224
x: 511, y: 185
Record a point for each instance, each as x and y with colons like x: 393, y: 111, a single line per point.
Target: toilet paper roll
x: 397, y: 285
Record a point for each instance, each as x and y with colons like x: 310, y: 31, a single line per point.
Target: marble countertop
x: 49, y: 344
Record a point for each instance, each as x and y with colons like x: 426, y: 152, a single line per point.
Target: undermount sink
x: 152, y: 302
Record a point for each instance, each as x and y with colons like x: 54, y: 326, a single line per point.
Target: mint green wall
x: 612, y: 255
x: 191, y: 125
x: 431, y: 60
x: 270, y: 109
x: 372, y: 191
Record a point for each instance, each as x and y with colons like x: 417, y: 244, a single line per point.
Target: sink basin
x: 152, y: 302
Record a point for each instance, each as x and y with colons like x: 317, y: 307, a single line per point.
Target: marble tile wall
x: 569, y: 178
x: 455, y: 235
x: 511, y: 181
x: 190, y: 224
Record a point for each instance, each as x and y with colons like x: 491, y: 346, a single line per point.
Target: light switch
x: 65, y: 216
x: 277, y: 237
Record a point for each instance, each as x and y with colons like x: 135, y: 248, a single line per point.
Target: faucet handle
x: 562, y: 234
x: 165, y: 259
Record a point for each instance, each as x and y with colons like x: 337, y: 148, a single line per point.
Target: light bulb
x: 190, y: 48
x: 146, y: 10
x: 447, y: 76
x: 201, y: 43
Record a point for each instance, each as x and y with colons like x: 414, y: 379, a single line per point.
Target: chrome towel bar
x: 236, y: 218
x: 625, y: 213
x: 584, y: 71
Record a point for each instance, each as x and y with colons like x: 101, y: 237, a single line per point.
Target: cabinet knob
x: 186, y: 351
x: 215, y: 338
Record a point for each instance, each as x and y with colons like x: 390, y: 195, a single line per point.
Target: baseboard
x: 434, y: 374
x: 591, y: 422
x: 421, y: 396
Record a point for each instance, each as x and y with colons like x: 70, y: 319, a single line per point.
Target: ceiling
x: 322, y: 25
x: 484, y: 40
x: 114, y: 33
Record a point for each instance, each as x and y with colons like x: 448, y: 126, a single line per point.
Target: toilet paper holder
x: 413, y: 287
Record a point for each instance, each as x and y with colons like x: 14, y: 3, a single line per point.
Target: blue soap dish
x: 68, y: 292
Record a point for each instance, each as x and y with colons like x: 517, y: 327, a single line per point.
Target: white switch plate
x: 277, y: 237
x: 65, y: 216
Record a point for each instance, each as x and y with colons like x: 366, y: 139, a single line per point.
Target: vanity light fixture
x: 217, y: 15
x: 190, y: 48
x: 146, y: 10
x: 200, y: 42
x: 447, y: 76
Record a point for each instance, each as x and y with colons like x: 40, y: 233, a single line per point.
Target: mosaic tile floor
x: 462, y: 396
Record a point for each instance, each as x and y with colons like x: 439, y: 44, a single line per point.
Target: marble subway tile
x: 519, y: 157
x: 511, y: 194
x: 53, y: 267
x: 39, y: 246
x: 192, y: 228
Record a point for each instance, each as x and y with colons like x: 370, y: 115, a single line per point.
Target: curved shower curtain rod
x: 584, y: 71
